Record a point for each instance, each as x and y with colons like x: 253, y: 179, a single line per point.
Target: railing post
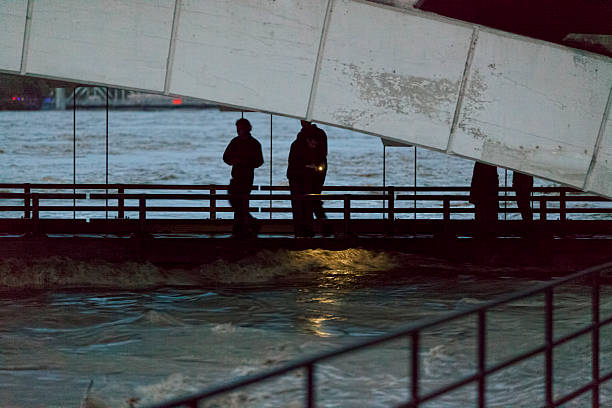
x: 562, y: 206
x: 26, y: 200
x: 391, y: 209
x: 543, y: 209
x: 213, y: 203
x: 482, y: 358
x: 310, y: 386
x: 142, y: 213
x: 548, y: 322
x: 347, y: 213
x: 595, y: 340
x: 120, y: 203
x: 36, y: 213
x: 414, y: 370
x: 391, y: 205
x: 446, y: 210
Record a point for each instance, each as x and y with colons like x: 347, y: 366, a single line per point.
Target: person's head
x: 243, y: 127
x: 305, y: 123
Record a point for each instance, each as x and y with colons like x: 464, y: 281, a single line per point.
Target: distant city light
x: 177, y: 101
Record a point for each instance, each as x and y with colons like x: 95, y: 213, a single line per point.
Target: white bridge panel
x: 119, y: 42
x: 392, y: 73
x: 258, y: 54
x: 533, y: 107
x: 527, y: 105
x: 12, y: 23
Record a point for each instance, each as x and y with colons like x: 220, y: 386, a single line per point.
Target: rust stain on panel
x: 473, y: 102
x: 402, y: 94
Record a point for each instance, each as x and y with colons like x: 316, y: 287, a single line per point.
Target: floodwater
x: 186, y: 147
x: 143, y: 334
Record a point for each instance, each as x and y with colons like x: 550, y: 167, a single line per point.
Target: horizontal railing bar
x: 8, y: 196
x: 230, y: 386
x: 154, y: 196
x: 475, y: 377
x: 581, y: 198
x: 12, y: 208
x: 510, y: 198
x: 62, y: 208
x: 573, y: 394
x: 263, y: 187
x: 402, y: 210
x: 252, y: 197
x: 97, y: 186
x: 403, y: 332
x: 352, y: 210
x: 581, y: 332
x: 504, y: 364
x: 45, y: 196
x: 582, y: 210
x: 428, y: 197
x: 445, y: 389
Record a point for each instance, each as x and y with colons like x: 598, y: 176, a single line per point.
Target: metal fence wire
x: 593, y: 276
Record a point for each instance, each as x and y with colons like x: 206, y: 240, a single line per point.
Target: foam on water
x: 265, y: 267
x: 59, y: 272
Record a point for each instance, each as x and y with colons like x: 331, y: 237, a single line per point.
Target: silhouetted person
x: 244, y: 155
x: 484, y: 196
x: 302, y: 172
x: 522, y: 185
x: 312, y: 131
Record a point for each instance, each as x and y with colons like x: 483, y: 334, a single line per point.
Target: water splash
x: 265, y: 267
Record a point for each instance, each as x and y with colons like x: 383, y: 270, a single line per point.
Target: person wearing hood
x: 303, y: 171
x: 310, y: 130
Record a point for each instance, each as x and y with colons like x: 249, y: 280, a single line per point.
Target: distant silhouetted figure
x: 303, y: 172
x: 484, y: 195
x: 244, y: 155
x: 522, y: 185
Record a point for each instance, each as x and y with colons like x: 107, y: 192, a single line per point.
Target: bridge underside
x: 405, y: 75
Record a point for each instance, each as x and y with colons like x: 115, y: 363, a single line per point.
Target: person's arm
x: 258, y: 156
x: 324, y: 143
x: 296, y: 164
x: 229, y: 156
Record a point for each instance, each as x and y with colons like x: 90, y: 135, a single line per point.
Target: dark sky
x: 549, y: 20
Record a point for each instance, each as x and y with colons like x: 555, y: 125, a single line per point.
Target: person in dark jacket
x: 310, y: 130
x: 484, y: 196
x: 302, y: 169
x: 244, y: 155
x: 522, y: 185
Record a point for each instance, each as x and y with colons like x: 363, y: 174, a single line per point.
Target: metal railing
x: 413, y: 332
x: 389, y: 202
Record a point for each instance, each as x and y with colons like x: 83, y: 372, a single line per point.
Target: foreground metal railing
x: 413, y: 332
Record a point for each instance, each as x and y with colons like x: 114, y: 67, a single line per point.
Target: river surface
x: 142, y: 333
x: 186, y: 147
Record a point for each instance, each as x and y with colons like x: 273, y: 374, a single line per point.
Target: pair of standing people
x: 484, y: 195
x: 306, y: 172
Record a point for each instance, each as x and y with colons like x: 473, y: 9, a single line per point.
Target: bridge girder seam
x: 317, y: 67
